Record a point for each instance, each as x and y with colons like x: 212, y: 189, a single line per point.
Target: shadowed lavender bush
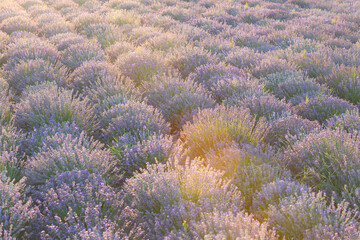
x: 132, y: 117
x: 11, y: 159
x: 90, y: 72
x: 75, y: 55
x: 349, y: 121
x: 236, y: 88
x: 107, y: 92
x: 243, y: 58
x: 32, y: 72
x: 168, y: 198
x: 292, y: 86
x: 26, y: 50
x: 267, y: 106
x: 16, y: 213
x: 77, y: 204
x: 132, y: 153
x: 227, y: 225
x: 210, y: 74
x: 322, y: 108
x: 187, y: 59
x: 66, y: 153
x: 64, y: 40
x: 47, y: 103
x: 43, y: 137
x: 140, y: 65
x: 293, y: 126
x: 327, y: 160
x: 297, y: 214
x: 177, y: 99
x: 6, y: 107
x: 221, y: 125
x: 272, y: 193
x: 345, y: 81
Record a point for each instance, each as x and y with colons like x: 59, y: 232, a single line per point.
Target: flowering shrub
x: 18, y: 23
x: 139, y: 65
x: 176, y: 99
x: 90, y: 72
x: 272, y: 193
x: 75, y: 55
x: 64, y: 40
x: 68, y: 153
x: 266, y: 106
x: 32, y: 72
x: 117, y: 49
x: 107, y: 92
x: 105, y: 34
x: 31, y: 50
x: 76, y: 204
x: 210, y: 74
x: 326, y: 160
x: 322, y: 108
x: 349, y: 121
x: 231, y: 226
x: 43, y: 137
x: 160, y: 191
x: 212, y: 127
x: 134, y: 152
x: 230, y: 90
x: 46, y: 103
x: 187, y: 59
x: 291, y: 126
x: 132, y: 117
x: 16, y: 212
x: 300, y: 213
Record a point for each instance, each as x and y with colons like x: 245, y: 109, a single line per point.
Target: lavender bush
x: 77, y: 204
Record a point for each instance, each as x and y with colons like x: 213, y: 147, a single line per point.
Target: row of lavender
x: 179, y: 119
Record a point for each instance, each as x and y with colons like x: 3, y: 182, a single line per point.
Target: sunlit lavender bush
x: 212, y: 128
x: 169, y: 198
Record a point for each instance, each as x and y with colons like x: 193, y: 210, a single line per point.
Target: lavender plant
x: 75, y: 55
x: 322, y: 108
x: 66, y: 153
x: 132, y: 117
x: 160, y: 191
x: 177, y: 99
x: 77, y: 204
x: 222, y: 124
x: 47, y: 103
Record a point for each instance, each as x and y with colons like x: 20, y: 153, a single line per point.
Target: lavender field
x: 180, y: 119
